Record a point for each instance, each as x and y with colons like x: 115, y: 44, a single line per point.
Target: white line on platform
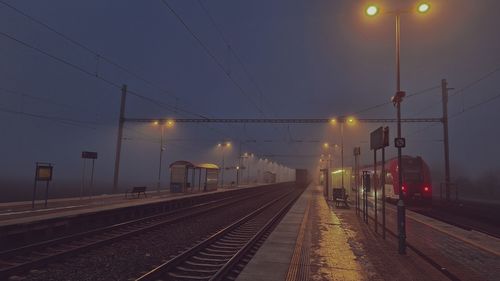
x: 40, y: 210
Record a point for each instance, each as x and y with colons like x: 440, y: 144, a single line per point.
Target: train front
x: 416, y: 179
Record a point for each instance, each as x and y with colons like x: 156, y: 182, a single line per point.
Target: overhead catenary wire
x: 211, y: 55
x: 453, y: 116
x: 224, y: 39
x: 97, y: 54
x: 232, y: 51
x: 108, y: 60
x: 475, y: 82
x: 91, y: 74
x: 67, y: 121
x: 424, y: 91
x: 104, y: 58
x: 33, y: 97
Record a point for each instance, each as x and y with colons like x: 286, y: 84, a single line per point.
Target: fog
x: 301, y: 59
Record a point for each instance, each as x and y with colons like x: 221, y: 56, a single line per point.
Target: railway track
x: 456, y: 221
x: 450, y: 275
x: 222, y: 255
x: 452, y: 219
x: 22, y: 259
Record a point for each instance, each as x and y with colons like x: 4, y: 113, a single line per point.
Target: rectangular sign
x: 399, y: 142
x: 379, y: 138
x: 43, y: 173
x: 89, y: 155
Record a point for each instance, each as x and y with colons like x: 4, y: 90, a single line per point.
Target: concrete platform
x: 316, y: 241
x: 22, y: 212
x: 20, y: 225
x: 468, y: 254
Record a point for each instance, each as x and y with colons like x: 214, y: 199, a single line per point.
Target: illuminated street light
x: 371, y: 10
x: 342, y: 120
x: 423, y: 8
x: 222, y: 146
x: 168, y: 124
x: 397, y: 99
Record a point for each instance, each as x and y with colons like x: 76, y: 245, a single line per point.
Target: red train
x: 417, y: 183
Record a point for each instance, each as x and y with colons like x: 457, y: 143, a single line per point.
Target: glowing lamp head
x: 156, y: 122
x: 333, y: 121
x: 326, y: 145
x: 423, y: 8
x: 372, y: 10
x: 403, y: 188
x: 426, y: 189
x: 169, y: 123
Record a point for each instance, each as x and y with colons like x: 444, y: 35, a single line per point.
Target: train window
x: 413, y: 176
x: 388, y: 178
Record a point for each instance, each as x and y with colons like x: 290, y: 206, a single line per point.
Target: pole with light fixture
x: 373, y: 10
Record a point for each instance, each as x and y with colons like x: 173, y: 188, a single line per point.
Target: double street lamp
x: 342, y: 121
x: 373, y: 10
x: 167, y: 124
x: 222, y: 146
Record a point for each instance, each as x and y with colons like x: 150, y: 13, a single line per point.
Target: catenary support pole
x: 447, y: 179
x: 375, y: 186
x: 383, y: 192
x: 119, y: 138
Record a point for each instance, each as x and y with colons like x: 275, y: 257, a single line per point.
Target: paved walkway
x: 469, y: 255
x: 316, y: 241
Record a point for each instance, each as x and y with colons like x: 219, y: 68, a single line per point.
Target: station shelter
x: 186, y: 176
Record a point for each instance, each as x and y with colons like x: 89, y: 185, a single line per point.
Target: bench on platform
x: 339, y: 196
x: 138, y: 190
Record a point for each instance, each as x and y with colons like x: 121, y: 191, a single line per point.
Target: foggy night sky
x: 311, y: 59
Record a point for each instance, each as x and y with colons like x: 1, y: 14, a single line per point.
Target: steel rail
x: 225, y: 268
x: 422, y: 255
x: 90, y: 239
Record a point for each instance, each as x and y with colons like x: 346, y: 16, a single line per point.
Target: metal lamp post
x: 222, y: 146
x: 161, y: 155
x: 168, y: 124
x: 397, y: 99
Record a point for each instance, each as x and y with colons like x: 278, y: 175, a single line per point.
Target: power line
x: 67, y: 121
x: 474, y: 106
x: 109, y: 82
x: 428, y: 90
x: 475, y: 82
x: 231, y: 50
x: 466, y: 87
x: 104, y: 58
x: 210, y: 54
x: 88, y: 49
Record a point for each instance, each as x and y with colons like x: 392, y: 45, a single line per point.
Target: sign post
x: 379, y: 139
x: 43, y: 172
x: 366, y: 189
x: 88, y: 155
x: 356, y: 152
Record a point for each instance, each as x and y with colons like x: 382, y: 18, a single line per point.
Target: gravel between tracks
x: 128, y: 258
